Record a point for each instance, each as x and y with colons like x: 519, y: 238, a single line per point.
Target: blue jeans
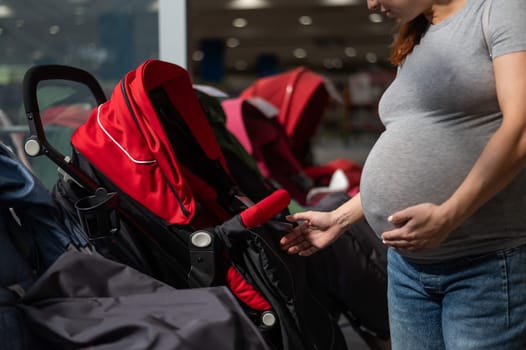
x: 469, y: 303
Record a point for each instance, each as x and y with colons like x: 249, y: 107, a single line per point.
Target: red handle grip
x: 265, y: 209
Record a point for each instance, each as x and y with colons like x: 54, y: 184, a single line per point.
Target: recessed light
x: 232, y: 42
x: 241, y: 65
x: 54, y: 29
x: 300, y: 53
x: 350, y: 51
x: 5, y: 11
x: 332, y: 63
x: 342, y: 2
x: 376, y: 18
x: 247, y: 4
x: 239, y: 22
x: 198, y: 56
x: 371, y: 57
x: 305, y: 20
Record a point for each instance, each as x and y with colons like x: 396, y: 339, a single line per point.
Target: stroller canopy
x: 301, y: 96
x: 137, y: 142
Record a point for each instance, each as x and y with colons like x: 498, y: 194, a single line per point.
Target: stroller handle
x: 39, y: 73
x: 264, y: 210
x: 37, y: 143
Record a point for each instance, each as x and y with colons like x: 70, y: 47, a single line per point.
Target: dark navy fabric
x: 31, y: 239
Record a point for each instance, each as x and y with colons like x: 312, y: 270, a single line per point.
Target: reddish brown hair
x: 408, y: 37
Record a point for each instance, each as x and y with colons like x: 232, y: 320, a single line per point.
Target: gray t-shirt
x: 439, y: 113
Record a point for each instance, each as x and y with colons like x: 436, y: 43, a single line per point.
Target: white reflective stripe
x: 264, y: 106
x: 118, y: 144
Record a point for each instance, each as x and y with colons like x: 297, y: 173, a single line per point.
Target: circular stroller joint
x: 268, y: 318
x: 32, y: 147
x: 201, y: 239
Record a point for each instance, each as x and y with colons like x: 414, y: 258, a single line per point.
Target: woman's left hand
x: 419, y: 227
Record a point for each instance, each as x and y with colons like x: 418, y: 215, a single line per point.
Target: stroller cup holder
x: 98, y: 214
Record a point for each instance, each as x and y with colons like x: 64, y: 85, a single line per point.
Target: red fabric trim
x: 245, y: 291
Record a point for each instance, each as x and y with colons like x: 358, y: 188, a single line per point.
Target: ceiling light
x: 54, y: 29
x: 198, y: 56
x: 300, y: 53
x: 337, y: 63
x: 376, y: 18
x: 36, y: 55
x: 232, y: 42
x: 5, y: 11
x: 341, y: 2
x: 153, y: 7
x: 305, y: 20
x: 331, y: 63
x: 350, y: 51
x: 371, y: 57
x: 327, y: 63
x: 239, y: 22
x: 247, y: 4
x: 241, y: 65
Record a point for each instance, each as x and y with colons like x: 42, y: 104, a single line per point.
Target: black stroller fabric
x: 354, y: 273
x: 85, y: 301
x: 54, y: 297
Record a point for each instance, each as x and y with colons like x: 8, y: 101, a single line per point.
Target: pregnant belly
x: 408, y: 166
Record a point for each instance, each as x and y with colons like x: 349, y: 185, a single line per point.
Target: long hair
x: 408, y: 37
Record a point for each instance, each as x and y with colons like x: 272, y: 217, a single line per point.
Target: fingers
x: 308, y: 251
x: 299, y: 248
x: 401, y: 240
x: 295, y: 243
x: 293, y: 236
x: 302, y: 216
x: 398, y: 219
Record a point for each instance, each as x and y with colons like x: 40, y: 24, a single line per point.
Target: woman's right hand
x: 315, y: 231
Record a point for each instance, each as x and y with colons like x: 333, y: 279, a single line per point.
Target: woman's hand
x: 315, y: 231
x: 419, y: 227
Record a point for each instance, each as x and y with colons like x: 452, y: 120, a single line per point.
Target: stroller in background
x: 301, y: 97
x: 254, y: 122
x: 155, y: 193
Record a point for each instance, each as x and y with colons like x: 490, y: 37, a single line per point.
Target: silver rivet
x: 201, y: 239
x: 32, y: 147
x: 268, y: 318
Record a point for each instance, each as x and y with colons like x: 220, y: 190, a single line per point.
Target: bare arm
x: 426, y: 225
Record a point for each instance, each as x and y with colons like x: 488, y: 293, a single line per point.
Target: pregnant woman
x: 444, y: 187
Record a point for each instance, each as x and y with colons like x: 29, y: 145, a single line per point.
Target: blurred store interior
x: 229, y: 44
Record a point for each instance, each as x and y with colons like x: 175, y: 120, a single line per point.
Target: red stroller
x: 152, y: 190
x: 301, y: 97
